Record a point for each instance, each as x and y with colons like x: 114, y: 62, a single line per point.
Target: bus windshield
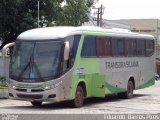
x: 35, y: 61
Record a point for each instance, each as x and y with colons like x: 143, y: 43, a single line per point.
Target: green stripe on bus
x: 113, y: 89
x: 147, y: 84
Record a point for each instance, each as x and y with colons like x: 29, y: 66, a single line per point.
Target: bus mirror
x: 5, y: 50
x: 66, y: 50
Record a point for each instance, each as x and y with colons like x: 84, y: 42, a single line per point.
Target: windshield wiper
x: 22, y: 72
x: 33, y: 64
x: 30, y: 63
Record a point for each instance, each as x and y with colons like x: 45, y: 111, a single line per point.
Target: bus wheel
x: 36, y: 103
x: 129, y: 93
x: 79, y: 97
x: 130, y: 88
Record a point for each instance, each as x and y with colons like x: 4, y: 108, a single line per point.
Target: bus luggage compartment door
x: 98, y: 86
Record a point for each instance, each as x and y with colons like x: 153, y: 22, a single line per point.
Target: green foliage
x: 74, y: 13
x: 2, y: 78
x: 17, y: 16
x: 3, y: 84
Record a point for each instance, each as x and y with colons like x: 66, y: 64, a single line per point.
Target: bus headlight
x: 13, y: 86
x: 49, y: 87
x: 53, y: 86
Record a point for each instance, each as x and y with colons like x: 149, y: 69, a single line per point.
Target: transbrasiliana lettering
x: 126, y: 64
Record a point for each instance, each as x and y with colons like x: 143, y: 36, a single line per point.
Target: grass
x: 3, y: 86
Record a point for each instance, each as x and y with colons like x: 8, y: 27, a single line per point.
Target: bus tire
x: 79, y: 97
x: 36, y: 103
x: 129, y: 93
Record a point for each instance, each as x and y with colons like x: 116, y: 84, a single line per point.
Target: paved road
x: 145, y: 101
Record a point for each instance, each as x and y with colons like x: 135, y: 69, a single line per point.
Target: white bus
x: 73, y: 63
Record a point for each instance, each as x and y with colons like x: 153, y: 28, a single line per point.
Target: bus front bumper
x: 35, y: 95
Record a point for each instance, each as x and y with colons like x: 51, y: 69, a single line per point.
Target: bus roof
x: 63, y: 31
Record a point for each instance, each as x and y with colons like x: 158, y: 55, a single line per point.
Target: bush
x: 3, y: 83
x: 2, y: 79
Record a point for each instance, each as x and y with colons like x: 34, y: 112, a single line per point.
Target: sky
x: 130, y: 9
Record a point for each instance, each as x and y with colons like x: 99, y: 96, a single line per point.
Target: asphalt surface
x: 145, y: 101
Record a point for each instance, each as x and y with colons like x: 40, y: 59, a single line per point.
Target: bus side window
x: 103, y: 46
x: 67, y: 63
x: 118, y: 46
x: 89, y: 47
x: 73, y: 44
x: 149, y: 47
x: 140, y: 47
x: 131, y: 46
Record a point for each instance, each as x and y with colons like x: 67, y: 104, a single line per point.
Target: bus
x: 73, y: 63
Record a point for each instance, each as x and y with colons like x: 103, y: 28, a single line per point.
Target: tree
x: 74, y: 13
x: 7, y: 20
x: 17, y: 16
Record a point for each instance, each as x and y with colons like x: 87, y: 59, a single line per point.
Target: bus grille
x: 22, y: 90
x: 30, y: 96
x: 37, y: 90
x: 32, y: 90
